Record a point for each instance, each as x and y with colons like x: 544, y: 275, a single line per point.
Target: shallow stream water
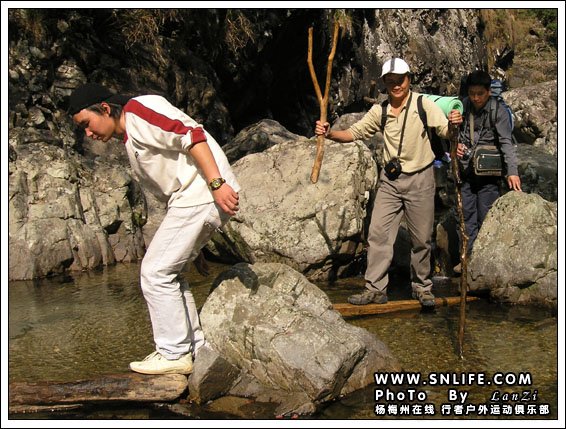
x: 94, y: 324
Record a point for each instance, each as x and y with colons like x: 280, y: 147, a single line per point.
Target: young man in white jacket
x: 181, y: 164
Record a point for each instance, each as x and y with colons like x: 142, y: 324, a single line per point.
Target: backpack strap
x: 493, y: 112
x: 493, y: 118
x: 466, y: 104
x: 422, y: 113
x: 384, y: 114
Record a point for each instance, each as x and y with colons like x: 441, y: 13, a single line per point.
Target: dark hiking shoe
x: 368, y: 297
x: 426, y: 298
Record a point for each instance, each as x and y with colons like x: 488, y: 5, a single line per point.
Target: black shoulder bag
x: 487, y: 159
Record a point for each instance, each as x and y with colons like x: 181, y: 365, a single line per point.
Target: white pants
x: 172, y: 309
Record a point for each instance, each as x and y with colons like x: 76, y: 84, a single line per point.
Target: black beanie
x: 92, y: 93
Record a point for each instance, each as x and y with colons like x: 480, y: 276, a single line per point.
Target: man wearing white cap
x: 407, y: 183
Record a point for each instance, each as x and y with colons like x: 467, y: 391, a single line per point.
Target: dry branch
x: 323, y: 101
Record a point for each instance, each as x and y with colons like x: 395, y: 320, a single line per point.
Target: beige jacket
x: 416, y: 152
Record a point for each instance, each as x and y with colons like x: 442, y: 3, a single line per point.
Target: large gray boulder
x: 515, y: 256
x: 282, y: 331
x: 375, y: 143
x: 257, y: 138
x: 315, y: 228
x: 212, y: 376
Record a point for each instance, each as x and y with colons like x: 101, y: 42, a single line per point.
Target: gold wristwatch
x: 216, y: 183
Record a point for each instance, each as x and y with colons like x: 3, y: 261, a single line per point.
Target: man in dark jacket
x: 480, y: 192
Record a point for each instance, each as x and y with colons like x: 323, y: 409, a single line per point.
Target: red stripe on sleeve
x: 163, y: 122
x: 198, y: 136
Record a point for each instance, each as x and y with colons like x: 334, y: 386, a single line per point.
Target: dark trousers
x: 478, y: 195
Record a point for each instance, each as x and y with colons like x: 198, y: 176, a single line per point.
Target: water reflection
x: 498, y: 339
x: 94, y: 324
x: 89, y: 325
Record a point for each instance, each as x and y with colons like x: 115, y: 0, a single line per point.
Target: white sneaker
x: 156, y: 363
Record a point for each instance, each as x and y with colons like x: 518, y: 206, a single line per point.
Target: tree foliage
x: 549, y: 19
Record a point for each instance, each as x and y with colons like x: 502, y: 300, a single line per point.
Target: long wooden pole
x: 463, y: 237
x: 322, y: 100
x: 350, y: 310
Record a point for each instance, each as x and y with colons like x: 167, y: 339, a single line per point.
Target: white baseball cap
x: 396, y: 66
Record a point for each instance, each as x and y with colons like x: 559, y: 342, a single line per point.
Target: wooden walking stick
x: 323, y: 101
x: 463, y: 236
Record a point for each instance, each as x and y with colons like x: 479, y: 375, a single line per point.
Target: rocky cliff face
x: 71, y: 198
x: 229, y: 69
x: 66, y: 213
x: 439, y: 45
